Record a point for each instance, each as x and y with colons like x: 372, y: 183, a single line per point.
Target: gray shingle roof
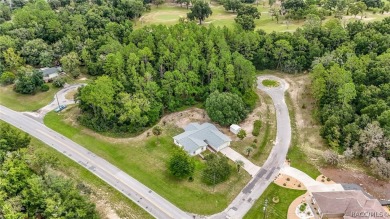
x: 48, y: 71
x: 196, y: 136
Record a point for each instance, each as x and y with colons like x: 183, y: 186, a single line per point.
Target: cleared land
x: 273, y: 210
x: 25, y: 102
x: 262, y: 144
x: 146, y: 161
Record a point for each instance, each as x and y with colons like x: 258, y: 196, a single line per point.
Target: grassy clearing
x: 102, y: 192
x: 270, y: 83
x: 297, y: 157
x: 274, y: 210
x: 25, y: 102
x: 169, y: 14
x: 146, y: 161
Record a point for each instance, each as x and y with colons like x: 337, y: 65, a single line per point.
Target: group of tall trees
x: 352, y: 87
x: 145, y: 72
x: 27, y: 190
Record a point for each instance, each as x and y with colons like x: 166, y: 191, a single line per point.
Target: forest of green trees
x: 143, y: 73
x: 28, y: 190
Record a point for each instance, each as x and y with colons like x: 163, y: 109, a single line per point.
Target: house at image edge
x: 347, y: 205
x: 197, y: 137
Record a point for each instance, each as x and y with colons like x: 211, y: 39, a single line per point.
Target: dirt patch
x: 325, y: 180
x: 291, y: 209
x: 289, y: 182
x: 70, y: 95
x: 378, y: 188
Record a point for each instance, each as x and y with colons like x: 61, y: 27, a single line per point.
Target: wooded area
x: 28, y: 190
x: 147, y: 72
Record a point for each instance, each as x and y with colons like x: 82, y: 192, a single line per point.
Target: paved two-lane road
x: 131, y: 188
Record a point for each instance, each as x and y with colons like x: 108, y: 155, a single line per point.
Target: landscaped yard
x: 25, y: 102
x: 274, y: 210
x: 146, y: 161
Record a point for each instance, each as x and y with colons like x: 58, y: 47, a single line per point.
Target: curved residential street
x: 267, y: 173
x: 151, y: 202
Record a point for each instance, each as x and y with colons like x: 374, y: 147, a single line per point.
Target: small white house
x: 235, y: 128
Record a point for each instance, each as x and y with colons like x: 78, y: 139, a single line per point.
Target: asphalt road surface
x: 131, y: 188
x: 267, y: 173
x: 150, y: 201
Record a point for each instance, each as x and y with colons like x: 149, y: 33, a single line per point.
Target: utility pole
x: 265, y: 208
x: 58, y: 102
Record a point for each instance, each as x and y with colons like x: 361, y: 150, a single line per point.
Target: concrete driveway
x: 311, y: 184
x: 233, y: 155
x: 59, y: 98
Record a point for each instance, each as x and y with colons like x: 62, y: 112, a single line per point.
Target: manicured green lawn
x: 270, y: 83
x: 274, y: 210
x: 146, y: 161
x: 124, y: 207
x: 25, y: 102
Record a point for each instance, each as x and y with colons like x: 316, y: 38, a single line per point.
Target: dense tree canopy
x: 225, y: 108
x: 181, y: 165
x: 217, y: 169
x: 25, y: 193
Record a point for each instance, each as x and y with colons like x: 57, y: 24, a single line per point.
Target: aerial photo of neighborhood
x: 195, y: 109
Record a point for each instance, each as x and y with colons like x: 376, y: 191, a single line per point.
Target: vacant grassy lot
x: 25, y: 102
x: 103, y: 195
x: 274, y: 210
x: 146, y: 161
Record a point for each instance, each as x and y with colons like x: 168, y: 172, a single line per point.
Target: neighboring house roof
x: 196, y: 136
x: 346, y: 203
x: 49, y: 71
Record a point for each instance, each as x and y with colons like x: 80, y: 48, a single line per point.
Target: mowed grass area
x: 274, y: 210
x: 270, y: 83
x: 169, y: 14
x: 146, y: 161
x: 101, y: 191
x: 26, y: 102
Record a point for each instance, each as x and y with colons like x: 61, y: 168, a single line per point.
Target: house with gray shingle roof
x: 50, y: 73
x: 197, y: 137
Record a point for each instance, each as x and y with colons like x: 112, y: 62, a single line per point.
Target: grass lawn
x: 25, y: 102
x: 270, y: 83
x: 169, y: 14
x: 124, y: 207
x: 146, y: 161
x: 274, y: 210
